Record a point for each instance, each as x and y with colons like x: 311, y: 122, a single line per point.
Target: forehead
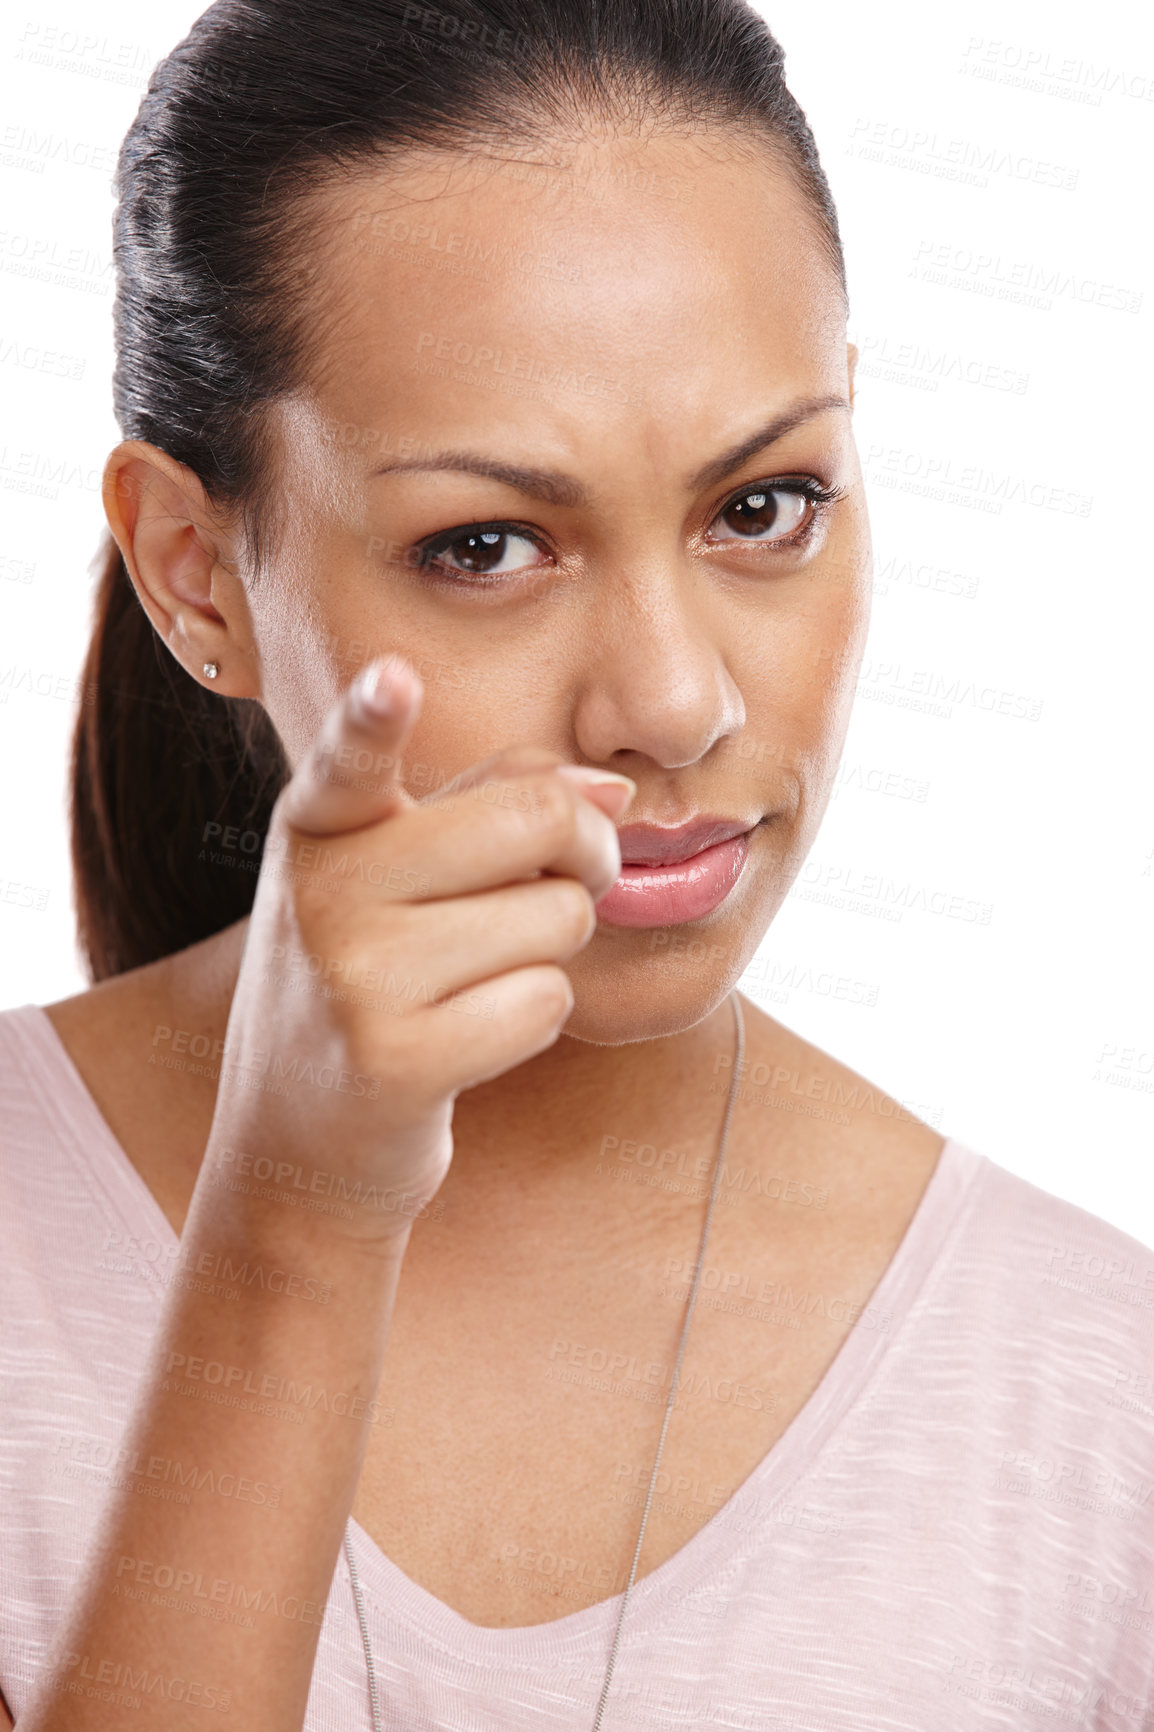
x: 596, y: 288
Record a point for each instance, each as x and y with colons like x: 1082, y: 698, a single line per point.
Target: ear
x: 181, y: 557
x: 851, y: 357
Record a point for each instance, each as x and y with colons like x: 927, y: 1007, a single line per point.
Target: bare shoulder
x: 95, y: 1024
x: 195, y: 985
x: 873, y: 1151
x: 134, y: 1040
x: 785, y: 1067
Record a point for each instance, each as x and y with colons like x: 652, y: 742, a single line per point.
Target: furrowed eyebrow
x: 557, y: 488
x: 550, y: 485
x: 773, y: 430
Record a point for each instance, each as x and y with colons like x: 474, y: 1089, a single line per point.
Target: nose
x: 654, y: 681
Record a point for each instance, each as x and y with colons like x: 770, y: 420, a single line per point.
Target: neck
x: 578, y: 1100
x: 546, y: 1120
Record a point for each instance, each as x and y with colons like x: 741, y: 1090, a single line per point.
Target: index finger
x: 351, y: 775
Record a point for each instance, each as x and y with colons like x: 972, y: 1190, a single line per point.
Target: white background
x: 992, y: 168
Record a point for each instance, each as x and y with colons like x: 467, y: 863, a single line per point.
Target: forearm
x: 207, y: 1612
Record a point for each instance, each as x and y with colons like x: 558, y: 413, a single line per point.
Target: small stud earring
x: 211, y: 669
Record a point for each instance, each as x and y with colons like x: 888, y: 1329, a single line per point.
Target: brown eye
x: 488, y: 552
x: 762, y: 514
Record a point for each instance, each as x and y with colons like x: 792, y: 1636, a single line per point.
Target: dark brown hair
x: 264, y: 102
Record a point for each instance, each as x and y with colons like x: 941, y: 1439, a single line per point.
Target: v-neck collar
x: 392, y: 1594
x: 732, y: 1530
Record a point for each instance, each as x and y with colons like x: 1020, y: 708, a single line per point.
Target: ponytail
x: 172, y: 786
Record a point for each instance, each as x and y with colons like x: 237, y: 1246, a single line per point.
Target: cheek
x: 798, y: 675
x: 313, y: 633
x: 806, y: 669
x: 835, y: 627
x: 444, y: 741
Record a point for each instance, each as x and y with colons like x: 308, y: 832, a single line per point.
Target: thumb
x: 351, y: 775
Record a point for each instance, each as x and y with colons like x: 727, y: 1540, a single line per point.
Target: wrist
x: 294, y: 1195
x: 287, y: 1218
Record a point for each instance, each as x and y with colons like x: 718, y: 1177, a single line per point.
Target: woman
x: 441, y: 1301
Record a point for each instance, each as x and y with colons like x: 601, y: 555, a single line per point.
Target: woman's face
x: 625, y: 372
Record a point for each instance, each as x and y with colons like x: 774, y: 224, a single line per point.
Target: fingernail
x: 617, y: 788
x: 380, y: 687
x: 589, y: 777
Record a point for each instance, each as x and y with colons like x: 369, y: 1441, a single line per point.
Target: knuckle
x: 285, y: 806
x: 554, y: 808
x: 573, y: 911
x: 524, y: 760
x: 553, y: 993
x: 412, y: 1053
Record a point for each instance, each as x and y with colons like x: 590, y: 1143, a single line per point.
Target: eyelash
x: 426, y: 552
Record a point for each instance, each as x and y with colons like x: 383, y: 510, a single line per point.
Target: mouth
x: 670, y: 876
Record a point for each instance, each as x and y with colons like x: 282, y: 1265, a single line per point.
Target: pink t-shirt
x: 956, y: 1532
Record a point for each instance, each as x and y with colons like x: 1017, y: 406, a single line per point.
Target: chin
x: 644, y: 983
x: 642, y: 993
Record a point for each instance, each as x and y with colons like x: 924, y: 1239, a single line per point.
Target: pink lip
x: 670, y: 876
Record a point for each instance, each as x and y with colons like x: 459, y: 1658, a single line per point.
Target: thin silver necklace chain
x: 374, y: 1696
